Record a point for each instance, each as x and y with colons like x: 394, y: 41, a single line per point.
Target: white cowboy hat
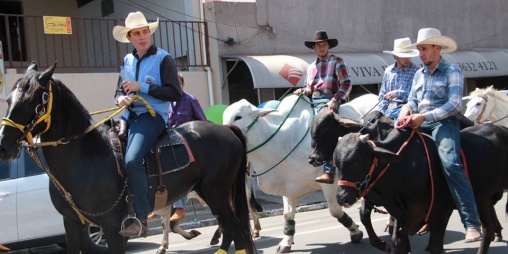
x: 133, y: 20
x: 398, y: 48
x: 433, y: 36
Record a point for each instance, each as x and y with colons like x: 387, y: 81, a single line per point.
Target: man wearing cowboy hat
x: 434, y: 100
x: 152, y: 75
x: 327, y: 78
x: 397, y: 78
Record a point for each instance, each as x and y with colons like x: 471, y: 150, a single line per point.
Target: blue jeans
x: 180, y: 203
x: 446, y: 134
x: 328, y: 167
x: 393, y: 113
x: 143, y: 132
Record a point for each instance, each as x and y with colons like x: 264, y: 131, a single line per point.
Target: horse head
x: 244, y: 115
x: 28, y: 111
x: 326, y: 128
x: 481, y: 105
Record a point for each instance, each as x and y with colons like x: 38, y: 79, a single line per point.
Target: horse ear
x: 32, y: 67
x: 265, y: 111
x: 47, y: 74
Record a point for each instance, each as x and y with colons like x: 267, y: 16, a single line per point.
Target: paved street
x: 318, y: 232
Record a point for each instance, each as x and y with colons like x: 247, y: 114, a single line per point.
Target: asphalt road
x: 318, y: 232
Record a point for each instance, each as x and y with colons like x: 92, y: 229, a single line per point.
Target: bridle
x: 486, y: 99
x: 42, y: 114
x: 366, y: 185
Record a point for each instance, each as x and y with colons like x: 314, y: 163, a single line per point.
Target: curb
x: 265, y: 214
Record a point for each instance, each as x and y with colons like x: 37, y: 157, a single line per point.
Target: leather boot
x: 135, y: 229
x: 326, y: 178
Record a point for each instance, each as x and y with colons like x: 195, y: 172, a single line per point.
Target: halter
x: 486, y: 99
x: 278, y: 129
x: 42, y: 114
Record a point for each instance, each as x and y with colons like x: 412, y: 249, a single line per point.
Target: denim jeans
x: 446, y: 134
x: 143, y: 132
x: 180, y: 203
x: 328, y: 167
x: 393, y: 113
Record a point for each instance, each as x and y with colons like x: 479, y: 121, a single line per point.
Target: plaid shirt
x: 328, y: 79
x: 398, y: 80
x: 437, y: 95
x: 185, y: 110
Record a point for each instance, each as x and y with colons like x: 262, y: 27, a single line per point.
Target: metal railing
x: 91, y: 46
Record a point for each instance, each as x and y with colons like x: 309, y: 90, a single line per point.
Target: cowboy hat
x: 433, y: 36
x: 133, y: 20
x: 398, y: 48
x: 321, y: 36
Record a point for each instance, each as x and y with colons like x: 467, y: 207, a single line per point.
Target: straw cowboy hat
x: 133, y: 20
x: 398, y: 48
x: 321, y: 36
x: 433, y: 36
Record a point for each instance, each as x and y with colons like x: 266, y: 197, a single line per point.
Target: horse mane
x: 490, y: 92
x: 78, y: 118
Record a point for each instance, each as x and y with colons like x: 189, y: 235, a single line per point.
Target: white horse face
x: 475, y: 107
x: 243, y: 114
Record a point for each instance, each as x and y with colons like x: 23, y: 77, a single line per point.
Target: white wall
x: 96, y: 90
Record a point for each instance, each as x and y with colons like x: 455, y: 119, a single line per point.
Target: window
x: 31, y: 168
x: 5, y: 170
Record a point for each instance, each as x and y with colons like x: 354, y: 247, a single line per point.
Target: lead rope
x: 403, y: 123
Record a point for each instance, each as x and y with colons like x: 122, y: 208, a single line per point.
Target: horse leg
x: 487, y: 213
x: 254, y: 207
x: 330, y: 193
x: 437, y: 225
x: 74, y: 235
x: 365, y: 212
x: 116, y: 242
x: 289, y: 226
x: 400, y: 239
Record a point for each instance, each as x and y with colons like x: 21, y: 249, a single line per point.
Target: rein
x: 43, y: 114
x: 367, y: 185
x: 278, y: 129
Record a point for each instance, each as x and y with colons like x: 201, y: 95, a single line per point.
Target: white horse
x: 488, y: 105
x: 278, y: 143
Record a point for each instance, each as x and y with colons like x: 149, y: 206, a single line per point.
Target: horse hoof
x: 214, y: 242
x: 283, y: 249
x: 356, y: 238
x: 497, y: 238
x: 195, y: 233
x: 163, y: 251
x: 255, y: 235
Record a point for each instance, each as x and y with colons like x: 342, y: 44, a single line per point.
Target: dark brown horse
x: 82, y: 165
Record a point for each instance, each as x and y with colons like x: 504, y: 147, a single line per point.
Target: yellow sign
x: 57, y: 25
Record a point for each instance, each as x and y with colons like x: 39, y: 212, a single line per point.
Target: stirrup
x: 135, y: 220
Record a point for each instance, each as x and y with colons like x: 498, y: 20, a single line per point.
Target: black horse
x: 326, y: 129
x: 82, y: 164
x: 414, y: 183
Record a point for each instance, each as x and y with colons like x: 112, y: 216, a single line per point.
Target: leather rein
x: 364, y: 187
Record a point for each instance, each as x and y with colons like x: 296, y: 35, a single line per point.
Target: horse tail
x: 239, y: 195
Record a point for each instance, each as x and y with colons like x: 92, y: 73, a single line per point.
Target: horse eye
x: 237, y: 118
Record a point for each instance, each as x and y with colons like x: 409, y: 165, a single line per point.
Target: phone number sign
x: 57, y: 25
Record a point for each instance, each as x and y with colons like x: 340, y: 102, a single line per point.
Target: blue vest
x: 149, y: 69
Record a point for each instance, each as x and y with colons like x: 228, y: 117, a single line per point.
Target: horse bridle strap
x: 41, y: 114
x: 479, y: 118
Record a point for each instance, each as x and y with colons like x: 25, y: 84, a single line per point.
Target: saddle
x: 169, y: 154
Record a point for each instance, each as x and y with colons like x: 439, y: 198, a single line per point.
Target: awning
x: 284, y: 71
